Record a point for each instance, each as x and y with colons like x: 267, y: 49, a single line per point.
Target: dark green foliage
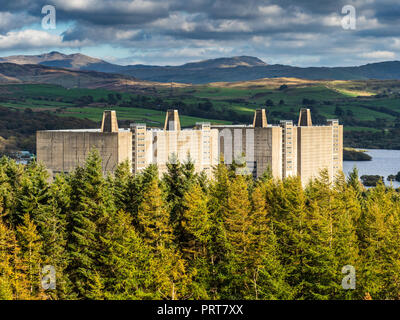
x: 355, y: 155
x: 371, y: 180
x: 186, y: 236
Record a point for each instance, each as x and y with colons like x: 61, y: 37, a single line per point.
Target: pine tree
x: 52, y: 225
x: 177, y: 180
x: 13, y: 278
x: 11, y: 175
x: 237, y: 231
x: 153, y: 217
x: 286, y: 204
x: 137, y: 189
x: 270, y: 275
x: 170, y: 276
x: 218, y: 248
x: 122, y: 181
x: 154, y: 225
x: 33, y: 191
x: 195, y: 222
x: 354, y: 182
x: 196, y: 228
x: 31, y: 245
x: 347, y: 210
x: 319, y: 269
x: 91, y: 205
x: 126, y: 262
x: 380, y: 246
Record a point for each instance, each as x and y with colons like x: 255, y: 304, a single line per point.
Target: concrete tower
x: 172, y: 122
x: 305, y: 118
x: 109, y: 123
x: 260, y: 119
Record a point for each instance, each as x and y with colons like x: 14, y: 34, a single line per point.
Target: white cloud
x: 78, y: 5
x: 270, y: 10
x: 122, y: 6
x: 332, y: 21
x: 29, y: 38
x: 378, y: 55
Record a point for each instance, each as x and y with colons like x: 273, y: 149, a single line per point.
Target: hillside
x: 55, y: 59
x: 68, y: 78
x: 241, y: 68
x: 369, y: 110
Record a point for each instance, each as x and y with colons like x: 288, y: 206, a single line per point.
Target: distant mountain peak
x: 225, y: 69
x: 227, y: 62
x: 54, y: 59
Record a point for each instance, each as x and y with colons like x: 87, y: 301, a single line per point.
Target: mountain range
x: 241, y: 68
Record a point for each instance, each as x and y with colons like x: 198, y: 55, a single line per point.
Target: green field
x: 27, y: 96
x: 241, y: 100
x: 364, y: 108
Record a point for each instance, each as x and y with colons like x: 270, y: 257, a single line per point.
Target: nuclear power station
x: 286, y: 149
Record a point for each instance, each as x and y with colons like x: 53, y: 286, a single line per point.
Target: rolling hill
x: 242, y: 68
x: 369, y: 109
x: 68, y: 78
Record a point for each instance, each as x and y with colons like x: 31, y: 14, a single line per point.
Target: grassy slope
x: 26, y: 97
x: 243, y: 97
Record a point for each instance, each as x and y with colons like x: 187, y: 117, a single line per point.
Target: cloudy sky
x: 172, y: 32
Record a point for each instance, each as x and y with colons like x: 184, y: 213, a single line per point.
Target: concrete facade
x: 156, y: 146
x: 286, y: 149
x: 64, y: 150
x: 259, y: 147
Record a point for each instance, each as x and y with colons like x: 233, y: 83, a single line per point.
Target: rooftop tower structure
x: 260, y: 119
x: 172, y: 122
x: 305, y: 118
x: 109, y: 122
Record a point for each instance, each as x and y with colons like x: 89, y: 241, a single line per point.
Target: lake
x: 383, y: 163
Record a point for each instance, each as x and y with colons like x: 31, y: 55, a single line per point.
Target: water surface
x: 383, y: 163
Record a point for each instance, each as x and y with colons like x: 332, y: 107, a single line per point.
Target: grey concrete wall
x: 62, y: 151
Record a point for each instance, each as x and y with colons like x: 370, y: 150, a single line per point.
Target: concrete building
x: 156, y: 146
x: 286, y: 149
x: 259, y: 145
x: 63, y: 150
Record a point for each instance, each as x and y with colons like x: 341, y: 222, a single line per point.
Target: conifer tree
x: 270, y: 275
x: 353, y: 181
x: 52, y: 225
x: 91, y: 205
x: 320, y: 268
x: 14, y: 283
x: 347, y: 210
x: 177, y: 180
x: 196, y: 226
x: 218, y: 248
x: 153, y: 217
x: 11, y: 175
x: 265, y: 271
x: 137, y: 188
x: 126, y: 262
x: 167, y: 265
x: 380, y: 245
x: 236, y: 224
x: 33, y: 191
x: 31, y: 245
x: 286, y: 204
x: 122, y: 181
